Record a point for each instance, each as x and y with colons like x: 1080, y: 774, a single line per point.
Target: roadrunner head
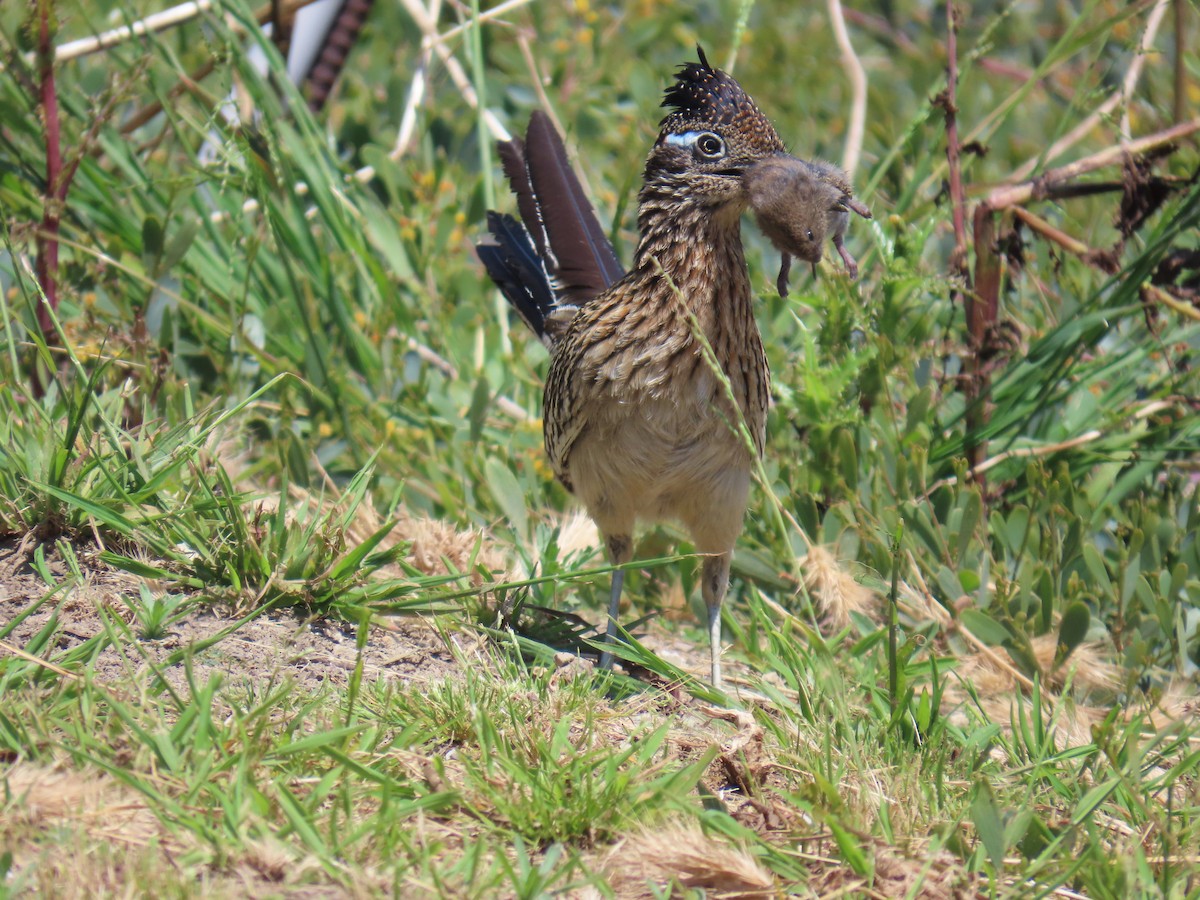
x: 712, y: 135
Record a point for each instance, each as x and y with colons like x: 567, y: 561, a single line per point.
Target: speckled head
x: 705, y: 98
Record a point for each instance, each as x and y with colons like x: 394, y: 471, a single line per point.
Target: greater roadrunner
x: 638, y: 419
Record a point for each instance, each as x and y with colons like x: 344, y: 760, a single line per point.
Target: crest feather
x: 706, y: 97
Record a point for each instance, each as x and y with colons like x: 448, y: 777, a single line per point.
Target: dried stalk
x: 1152, y: 408
x: 454, y: 68
x: 416, y: 93
x: 1158, y: 295
x: 1042, y: 186
x: 858, y: 86
x: 1105, y: 109
x: 1048, y: 231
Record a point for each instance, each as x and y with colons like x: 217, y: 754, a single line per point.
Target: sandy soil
x: 310, y: 652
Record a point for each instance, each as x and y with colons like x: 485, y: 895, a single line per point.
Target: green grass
x: 253, y: 398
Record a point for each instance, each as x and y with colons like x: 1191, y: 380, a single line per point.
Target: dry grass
x: 834, y: 591
x: 680, y: 855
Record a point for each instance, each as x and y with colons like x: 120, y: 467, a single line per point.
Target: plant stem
x: 47, y: 236
x: 894, y: 622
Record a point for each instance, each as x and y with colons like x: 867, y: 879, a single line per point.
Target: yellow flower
x: 325, y: 430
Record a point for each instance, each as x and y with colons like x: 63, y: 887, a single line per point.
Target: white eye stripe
x: 706, y: 143
x: 687, y: 139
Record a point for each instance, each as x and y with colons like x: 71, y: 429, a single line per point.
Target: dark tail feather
x: 561, y: 257
x: 581, y: 259
x: 513, y: 263
x: 516, y: 170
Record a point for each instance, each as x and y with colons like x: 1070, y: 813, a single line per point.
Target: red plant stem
x: 56, y: 185
x: 983, y: 307
x: 950, y: 105
x: 979, y: 309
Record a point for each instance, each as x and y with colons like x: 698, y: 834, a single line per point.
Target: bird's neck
x: 696, y: 252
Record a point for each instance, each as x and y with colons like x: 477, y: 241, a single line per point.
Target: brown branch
x: 1048, y: 231
x: 1158, y: 295
x: 948, y: 101
x: 1041, y: 187
x: 982, y: 308
x: 980, y: 305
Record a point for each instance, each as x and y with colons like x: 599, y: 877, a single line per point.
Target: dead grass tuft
x: 834, y: 591
x: 940, y: 878
x: 577, y: 533
x: 1178, y: 702
x: 993, y: 674
x: 44, y: 798
x: 75, y: 834
x: 438, y: 547
x: 682, y: 855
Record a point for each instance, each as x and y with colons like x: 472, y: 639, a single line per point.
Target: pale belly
x: 661, y: 460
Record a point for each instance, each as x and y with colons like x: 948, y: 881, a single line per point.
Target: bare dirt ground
x: 313, y: 653
x: 310, y: 652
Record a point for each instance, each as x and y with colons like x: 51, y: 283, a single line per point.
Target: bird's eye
x: 810, y: 234
x: 710, y: 145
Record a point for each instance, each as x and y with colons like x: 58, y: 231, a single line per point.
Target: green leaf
x: 918, y: 409
x: 984, y: 627
x: 152, y: 241
x: 972, y: 512
x: 848, y: 458
x: 179, y: 243
x: 349, y: 563
x: 1096, y: 568
x: 507, y: 493
x: 1015, y: 528
x: 851, y: 849
x: 481, y: 402
x: 986, y: 816
x: 1072, y: 630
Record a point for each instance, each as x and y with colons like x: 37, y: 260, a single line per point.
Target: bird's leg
x: 716, y: 582
x: 620, y: 549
